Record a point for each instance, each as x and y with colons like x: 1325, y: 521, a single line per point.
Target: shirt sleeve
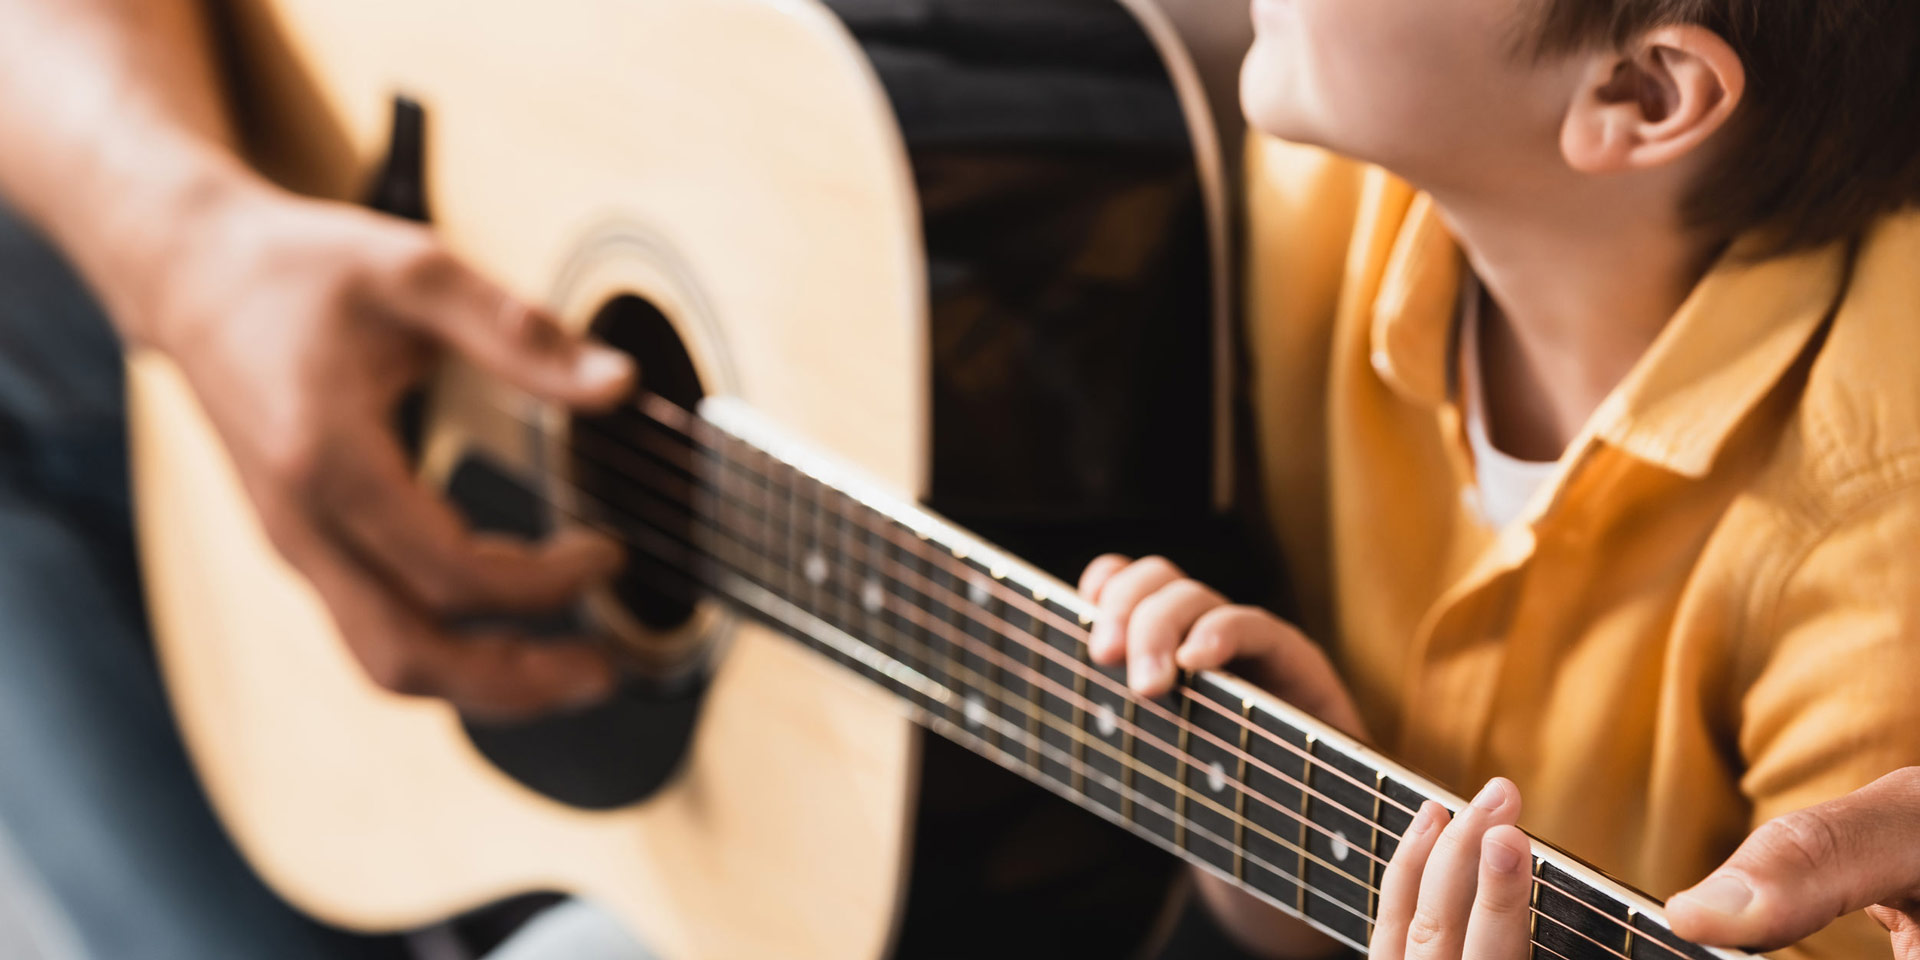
x: 1836, y: 702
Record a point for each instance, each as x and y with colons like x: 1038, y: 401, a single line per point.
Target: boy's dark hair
x: 1828, y: 140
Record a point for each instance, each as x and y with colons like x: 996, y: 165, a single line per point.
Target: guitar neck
x: 992, y: 653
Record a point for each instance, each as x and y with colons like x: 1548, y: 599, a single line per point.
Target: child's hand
x: 1159, y: 622
x: 1459, y: 890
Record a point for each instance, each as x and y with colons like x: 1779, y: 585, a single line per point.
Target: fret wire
x: 1240, y: 796
x: 1300, y: 885
x: 1184, y: 771
x: 1079, y: 723
x: 952, y: 650
x: 1374, y: 871
x: 1037, y: 664
x: 840, y: 530
x: 1533, y: 907
x: 1128, y: 761
x: 819, y: 561
x: 1305, y: 818
x: 993, y: 674
x: 1081, y: 679
x: 796, y: 555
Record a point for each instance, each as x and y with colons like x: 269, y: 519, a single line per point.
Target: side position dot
x: 980, y: 591
x: 815, y: 569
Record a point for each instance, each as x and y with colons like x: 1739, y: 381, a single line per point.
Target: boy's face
x: 1436, y: 90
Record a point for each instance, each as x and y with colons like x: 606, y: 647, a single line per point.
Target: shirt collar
x: 1740, y: 331
x: 1415, y: 311
x: 1743, y: 328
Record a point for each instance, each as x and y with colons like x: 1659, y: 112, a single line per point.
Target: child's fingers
x: 1223, y: 635
x: 1285, y: 662
x: 1400, y: 885
x: 1099, y: 572
x: 1438, y: 930
x: 1118, y: 596
x: 1155, y: 630
x: 1499, y: 927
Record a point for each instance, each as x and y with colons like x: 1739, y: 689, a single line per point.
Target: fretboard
x: 991, y: 653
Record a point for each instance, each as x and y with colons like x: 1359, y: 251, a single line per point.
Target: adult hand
x: 300, y: 325
x: 1800, y: 872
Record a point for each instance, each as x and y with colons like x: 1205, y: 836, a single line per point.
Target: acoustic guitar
x: 835, y: 232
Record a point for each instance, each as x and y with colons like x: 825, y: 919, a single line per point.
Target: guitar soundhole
x: 624, y: 751
x: 633, y: 476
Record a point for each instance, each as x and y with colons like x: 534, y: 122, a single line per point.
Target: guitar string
x: 972, y: 609
x: 690, y: 559
x: 1008, y: 632
x: 1541, y: 881
x: 1017, y: 598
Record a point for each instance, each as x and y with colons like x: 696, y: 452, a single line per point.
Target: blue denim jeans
x: 96, y: 793
x: 95, y: 790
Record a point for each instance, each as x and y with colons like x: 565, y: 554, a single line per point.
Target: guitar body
x: 737, y: 167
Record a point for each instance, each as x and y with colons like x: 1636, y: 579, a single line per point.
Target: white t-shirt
x: 1506, y: 483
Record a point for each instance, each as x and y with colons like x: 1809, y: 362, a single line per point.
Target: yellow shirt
x: 1710, y: 617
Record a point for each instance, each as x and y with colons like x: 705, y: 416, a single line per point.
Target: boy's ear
x: 1654, y: 102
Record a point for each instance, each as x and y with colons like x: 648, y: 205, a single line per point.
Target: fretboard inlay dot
x: 976, y: 711
x: 815, y: 569
x: 873, y: 596
x: 1106, y: 720
x: 980, y: 591
x: 1217, y: 777
x: 1341, y: 849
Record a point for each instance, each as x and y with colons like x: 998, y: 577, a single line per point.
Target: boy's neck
x: 1575, y: 297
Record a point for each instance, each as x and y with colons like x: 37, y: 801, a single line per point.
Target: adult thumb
x: 1801, y: 872
x: 519, y: 343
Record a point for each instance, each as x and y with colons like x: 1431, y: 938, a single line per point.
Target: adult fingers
x: 1498, y: 928
x: 412, y: 539
x: 1439, y: 926
x: 521, y: 344
x: 497, y: 678
x: 1400, y: 884
x: 1158, y: 624
x: 1118, y: 596
x: 1800, y: 872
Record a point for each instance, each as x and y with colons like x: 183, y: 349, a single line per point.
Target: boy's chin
x: 1270, y: 97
